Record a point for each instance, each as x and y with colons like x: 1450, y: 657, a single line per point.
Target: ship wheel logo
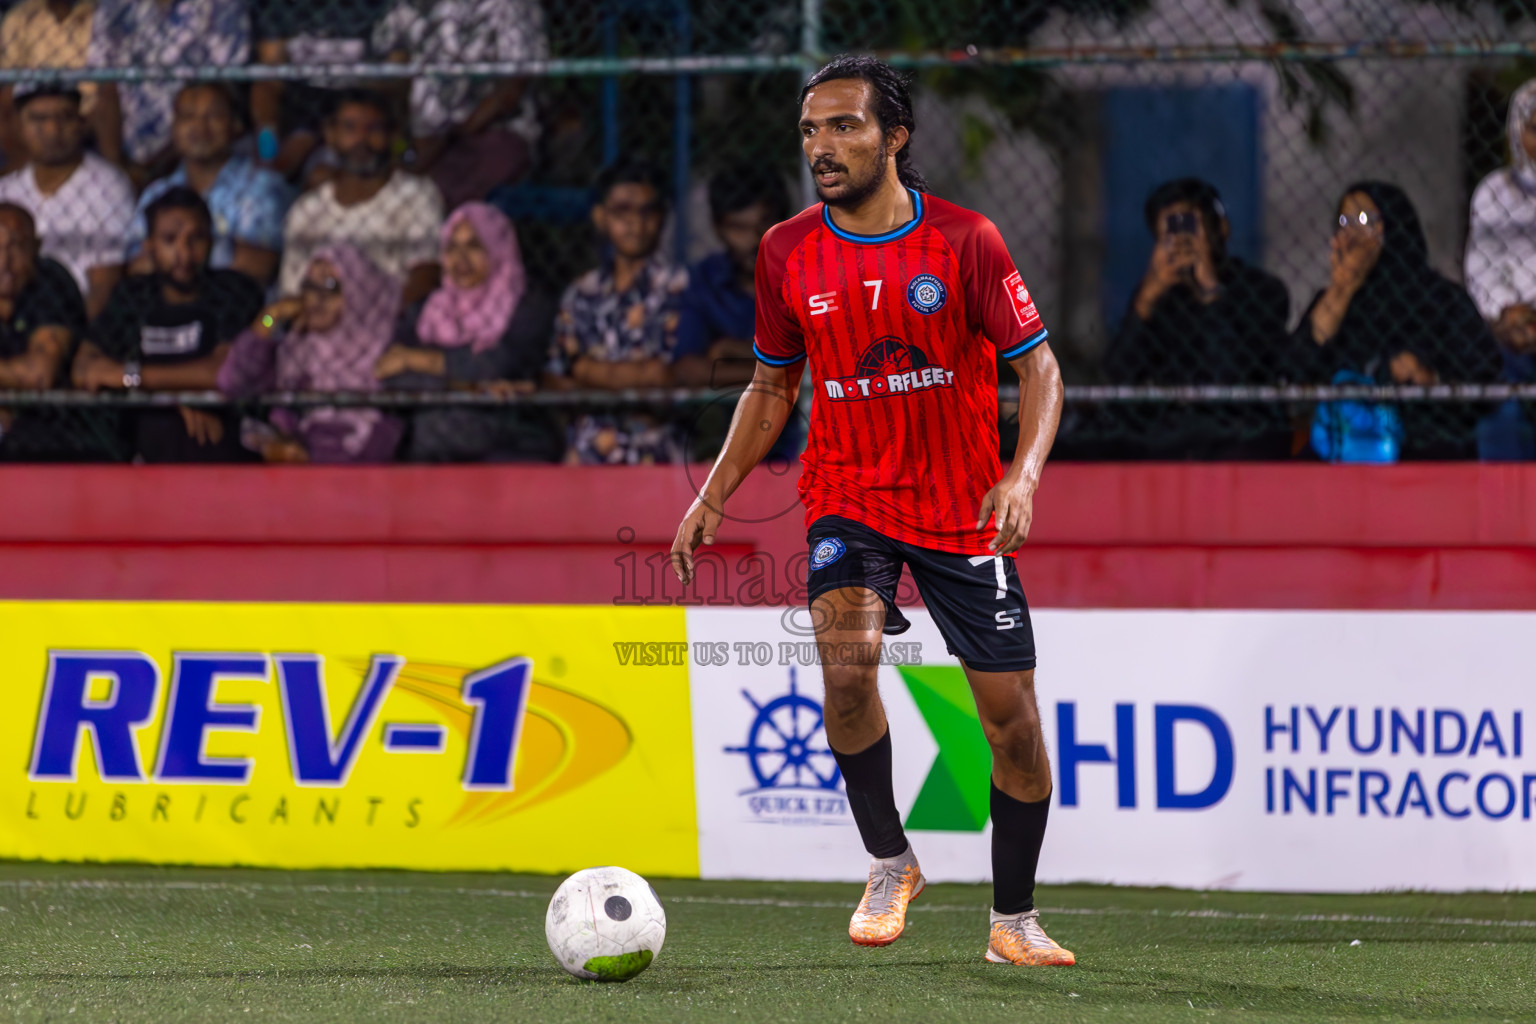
x: 786, y: 744
x: 890, y: 355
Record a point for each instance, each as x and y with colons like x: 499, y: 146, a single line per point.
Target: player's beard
x: 361, y: 161
x: 857, y: 190
x: 185, y: 285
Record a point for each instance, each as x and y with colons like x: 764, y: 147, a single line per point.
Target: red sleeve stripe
x: 1028, y: 343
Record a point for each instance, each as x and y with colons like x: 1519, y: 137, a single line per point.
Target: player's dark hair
x: 220, y: 89
x: 627, y: 171
x: 26, y: 92
x: 358, y: 96
x: 178, y: 197
x: 741, y: 185
x: 22, y: 214
x: 892, y: 94
x: 1200, y: 194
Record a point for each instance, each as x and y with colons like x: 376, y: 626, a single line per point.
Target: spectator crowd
x: 323, y: 235
x: 1385, y: 316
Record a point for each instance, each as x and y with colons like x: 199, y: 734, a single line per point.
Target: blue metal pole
x: 610, y: 89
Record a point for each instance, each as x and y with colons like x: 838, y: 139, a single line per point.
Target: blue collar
x: 889, y: 236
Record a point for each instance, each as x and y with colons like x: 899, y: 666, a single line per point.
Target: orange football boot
x: 882, y: 915
x: 1019, y: 939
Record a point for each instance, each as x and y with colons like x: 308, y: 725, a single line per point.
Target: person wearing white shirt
x: 391, y: 216
x: 82, y: 204
x: 1501, y: 246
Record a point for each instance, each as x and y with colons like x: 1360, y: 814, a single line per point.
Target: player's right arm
x: 764, y: 408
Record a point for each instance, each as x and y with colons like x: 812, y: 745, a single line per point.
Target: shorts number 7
x: 874, y: 303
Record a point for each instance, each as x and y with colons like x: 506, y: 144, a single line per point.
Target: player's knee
x: 1006, y: 733
x: 1007, y: 723
x: 849, y: 689
x: 1016, y: 743
x: 1010, y: 708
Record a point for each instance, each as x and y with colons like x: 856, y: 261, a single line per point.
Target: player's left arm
x: 1012, y: 500
x: 999, y: 307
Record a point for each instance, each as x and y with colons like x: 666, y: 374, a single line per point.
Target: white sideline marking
x: 729, y: 901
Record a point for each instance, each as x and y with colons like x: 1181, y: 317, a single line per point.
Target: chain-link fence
x: 1217, y: 204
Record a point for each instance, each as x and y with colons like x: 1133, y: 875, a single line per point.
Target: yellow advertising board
x: 321, y: 735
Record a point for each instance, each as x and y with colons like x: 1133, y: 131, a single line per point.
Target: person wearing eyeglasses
x: 1201, y: 316
x: 327, y: 338
x: 617, y: 326
x: 1388, y: 314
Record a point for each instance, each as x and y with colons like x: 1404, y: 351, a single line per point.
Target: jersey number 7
x: 874, y: 302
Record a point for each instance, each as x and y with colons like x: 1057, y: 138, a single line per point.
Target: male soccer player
x: 892, y: 296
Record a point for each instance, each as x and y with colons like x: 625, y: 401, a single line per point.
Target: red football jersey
x: 900, y: 331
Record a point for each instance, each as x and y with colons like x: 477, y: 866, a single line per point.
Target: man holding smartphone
x: 1201, y: 316
x: 1182, y: 257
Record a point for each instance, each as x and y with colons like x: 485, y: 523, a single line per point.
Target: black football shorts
x: 976, y: 600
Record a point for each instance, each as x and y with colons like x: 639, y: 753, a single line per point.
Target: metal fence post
x: 810, y: 60
x: 682, y: 137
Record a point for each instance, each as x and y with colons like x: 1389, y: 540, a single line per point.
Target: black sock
x: 1018, y: 829
x: 867, y: 776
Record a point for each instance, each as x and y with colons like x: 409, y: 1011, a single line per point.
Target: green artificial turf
x: 126, y: 944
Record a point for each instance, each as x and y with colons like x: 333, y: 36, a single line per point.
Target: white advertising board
x: 1319, y: 751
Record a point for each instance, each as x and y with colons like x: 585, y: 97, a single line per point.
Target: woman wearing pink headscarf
x: 483, y: 325
x: 327, y: 339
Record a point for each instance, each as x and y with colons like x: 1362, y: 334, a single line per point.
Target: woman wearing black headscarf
x: 1387, y: 314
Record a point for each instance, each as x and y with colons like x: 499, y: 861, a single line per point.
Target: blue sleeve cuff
x: 775, y: 360
x: 1028, y: 343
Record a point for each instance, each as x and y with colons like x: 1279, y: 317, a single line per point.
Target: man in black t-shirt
x: 1201, y: 316
x: 170, y: 331
x: 41, y: 315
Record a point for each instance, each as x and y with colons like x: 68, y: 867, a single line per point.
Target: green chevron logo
x: 956, y: 795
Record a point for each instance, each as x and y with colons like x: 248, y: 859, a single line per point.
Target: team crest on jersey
x: 925, y: 293
x: 827, y: 552
x: 889, y: 366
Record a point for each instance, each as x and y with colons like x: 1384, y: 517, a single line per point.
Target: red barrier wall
x: 1197, y: 536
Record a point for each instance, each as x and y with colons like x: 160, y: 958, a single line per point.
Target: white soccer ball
x: 605, y: 924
